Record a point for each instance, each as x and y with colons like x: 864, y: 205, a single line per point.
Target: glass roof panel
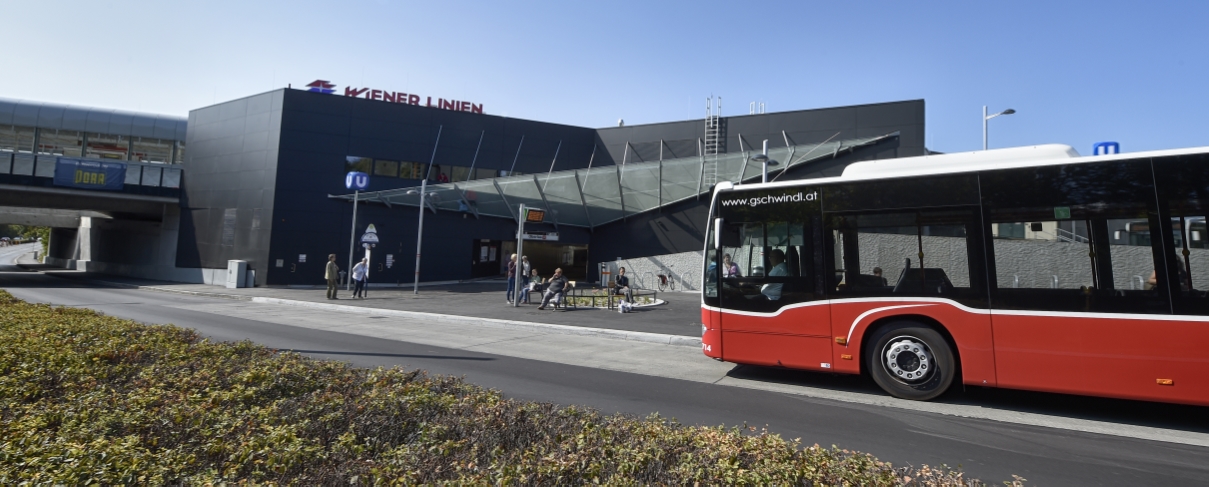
x: 594, y: 196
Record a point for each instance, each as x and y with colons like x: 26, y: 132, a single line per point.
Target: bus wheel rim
x: 908, y: 359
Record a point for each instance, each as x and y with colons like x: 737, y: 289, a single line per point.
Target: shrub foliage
x: 86, y: 398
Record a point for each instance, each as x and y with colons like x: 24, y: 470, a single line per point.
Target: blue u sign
x: 1105, y: 148
x: 356, y: 180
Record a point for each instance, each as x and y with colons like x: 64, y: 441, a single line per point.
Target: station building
x: 264, y: 182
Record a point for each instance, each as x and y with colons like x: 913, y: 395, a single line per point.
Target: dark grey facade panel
x: 232, y: 160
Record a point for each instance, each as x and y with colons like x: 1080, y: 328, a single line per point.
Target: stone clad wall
x: 684, y: 267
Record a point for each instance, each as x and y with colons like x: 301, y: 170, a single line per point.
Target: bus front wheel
x: 910, y: 361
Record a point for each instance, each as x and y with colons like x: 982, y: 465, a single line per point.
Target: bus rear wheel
x: 910, y: 361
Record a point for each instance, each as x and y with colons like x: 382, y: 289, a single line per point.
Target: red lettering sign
x: 410, y: 99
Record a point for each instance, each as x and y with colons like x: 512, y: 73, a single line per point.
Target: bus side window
x: 1075, y: 238
x: 902, y: 253
x: 1192, y: 255
x: 1042, y: 255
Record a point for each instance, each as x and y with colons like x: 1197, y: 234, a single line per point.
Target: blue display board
x: 84, y: 174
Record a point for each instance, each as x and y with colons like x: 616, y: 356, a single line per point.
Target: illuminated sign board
x: 534, y: 215
x: 326, y: 87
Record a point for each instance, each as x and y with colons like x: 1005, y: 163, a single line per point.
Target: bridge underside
x: 124, y: 205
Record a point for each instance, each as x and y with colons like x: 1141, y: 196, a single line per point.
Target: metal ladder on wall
x: 713, y: 134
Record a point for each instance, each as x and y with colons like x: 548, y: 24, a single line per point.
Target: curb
x: 634, y: 336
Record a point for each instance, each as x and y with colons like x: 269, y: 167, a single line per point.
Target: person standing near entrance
x: 524, y: 270
x: 511, y: 279
x: 332, y: 274
x: 359, y: 272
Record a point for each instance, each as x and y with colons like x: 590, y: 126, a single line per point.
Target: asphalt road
x: 641, y: 378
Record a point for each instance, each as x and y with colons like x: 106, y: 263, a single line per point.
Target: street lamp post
x: 984, y: 122
x: 356, y: 181
x: 764, y: 162
x: 423, y: 194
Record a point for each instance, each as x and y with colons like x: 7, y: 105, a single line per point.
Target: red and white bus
x: 1026, y: 268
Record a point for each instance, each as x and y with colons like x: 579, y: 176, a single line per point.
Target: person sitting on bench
x: 556, y: 288
x: 622, y: 286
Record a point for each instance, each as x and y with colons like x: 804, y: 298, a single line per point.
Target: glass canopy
x: 594, y: 196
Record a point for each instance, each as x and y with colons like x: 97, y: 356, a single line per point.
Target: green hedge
x: 86, y: 398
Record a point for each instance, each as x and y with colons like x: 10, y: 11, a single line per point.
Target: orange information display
x: 1029, y: 268
x: 535, y: 215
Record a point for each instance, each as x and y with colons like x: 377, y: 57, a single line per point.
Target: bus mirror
x: 717, y: 233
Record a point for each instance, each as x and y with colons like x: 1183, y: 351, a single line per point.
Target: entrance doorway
x: 547, y: 256
x: 485, y: 259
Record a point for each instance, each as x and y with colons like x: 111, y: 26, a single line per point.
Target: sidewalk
x: 680, y: 316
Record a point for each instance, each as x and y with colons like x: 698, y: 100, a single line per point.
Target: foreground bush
x: 89, y: 398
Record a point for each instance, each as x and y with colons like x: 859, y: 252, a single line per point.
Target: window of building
x: 359, y: 164
x: 412, y: 170
x: 458, y: 174
x: 152, y: 150
x: 60, y: 142
x: 386, y: 168
x: 16, y: 138
x: 105, y: 146
x: 180, y: 152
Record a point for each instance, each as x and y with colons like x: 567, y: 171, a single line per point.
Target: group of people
x: 332, y: 273
x: 553, y: 288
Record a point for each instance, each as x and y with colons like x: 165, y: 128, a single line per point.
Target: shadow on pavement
x: 1123, y: 411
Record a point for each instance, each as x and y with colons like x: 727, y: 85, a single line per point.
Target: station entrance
x: 547, y: 256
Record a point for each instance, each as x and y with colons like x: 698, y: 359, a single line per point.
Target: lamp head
x: 1009, y: 111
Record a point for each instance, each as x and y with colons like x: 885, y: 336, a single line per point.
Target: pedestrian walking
x: 359, y: 275
x: 332, y: 274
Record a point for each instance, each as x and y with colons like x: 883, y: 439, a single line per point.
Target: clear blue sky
x: 1133, y: 72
